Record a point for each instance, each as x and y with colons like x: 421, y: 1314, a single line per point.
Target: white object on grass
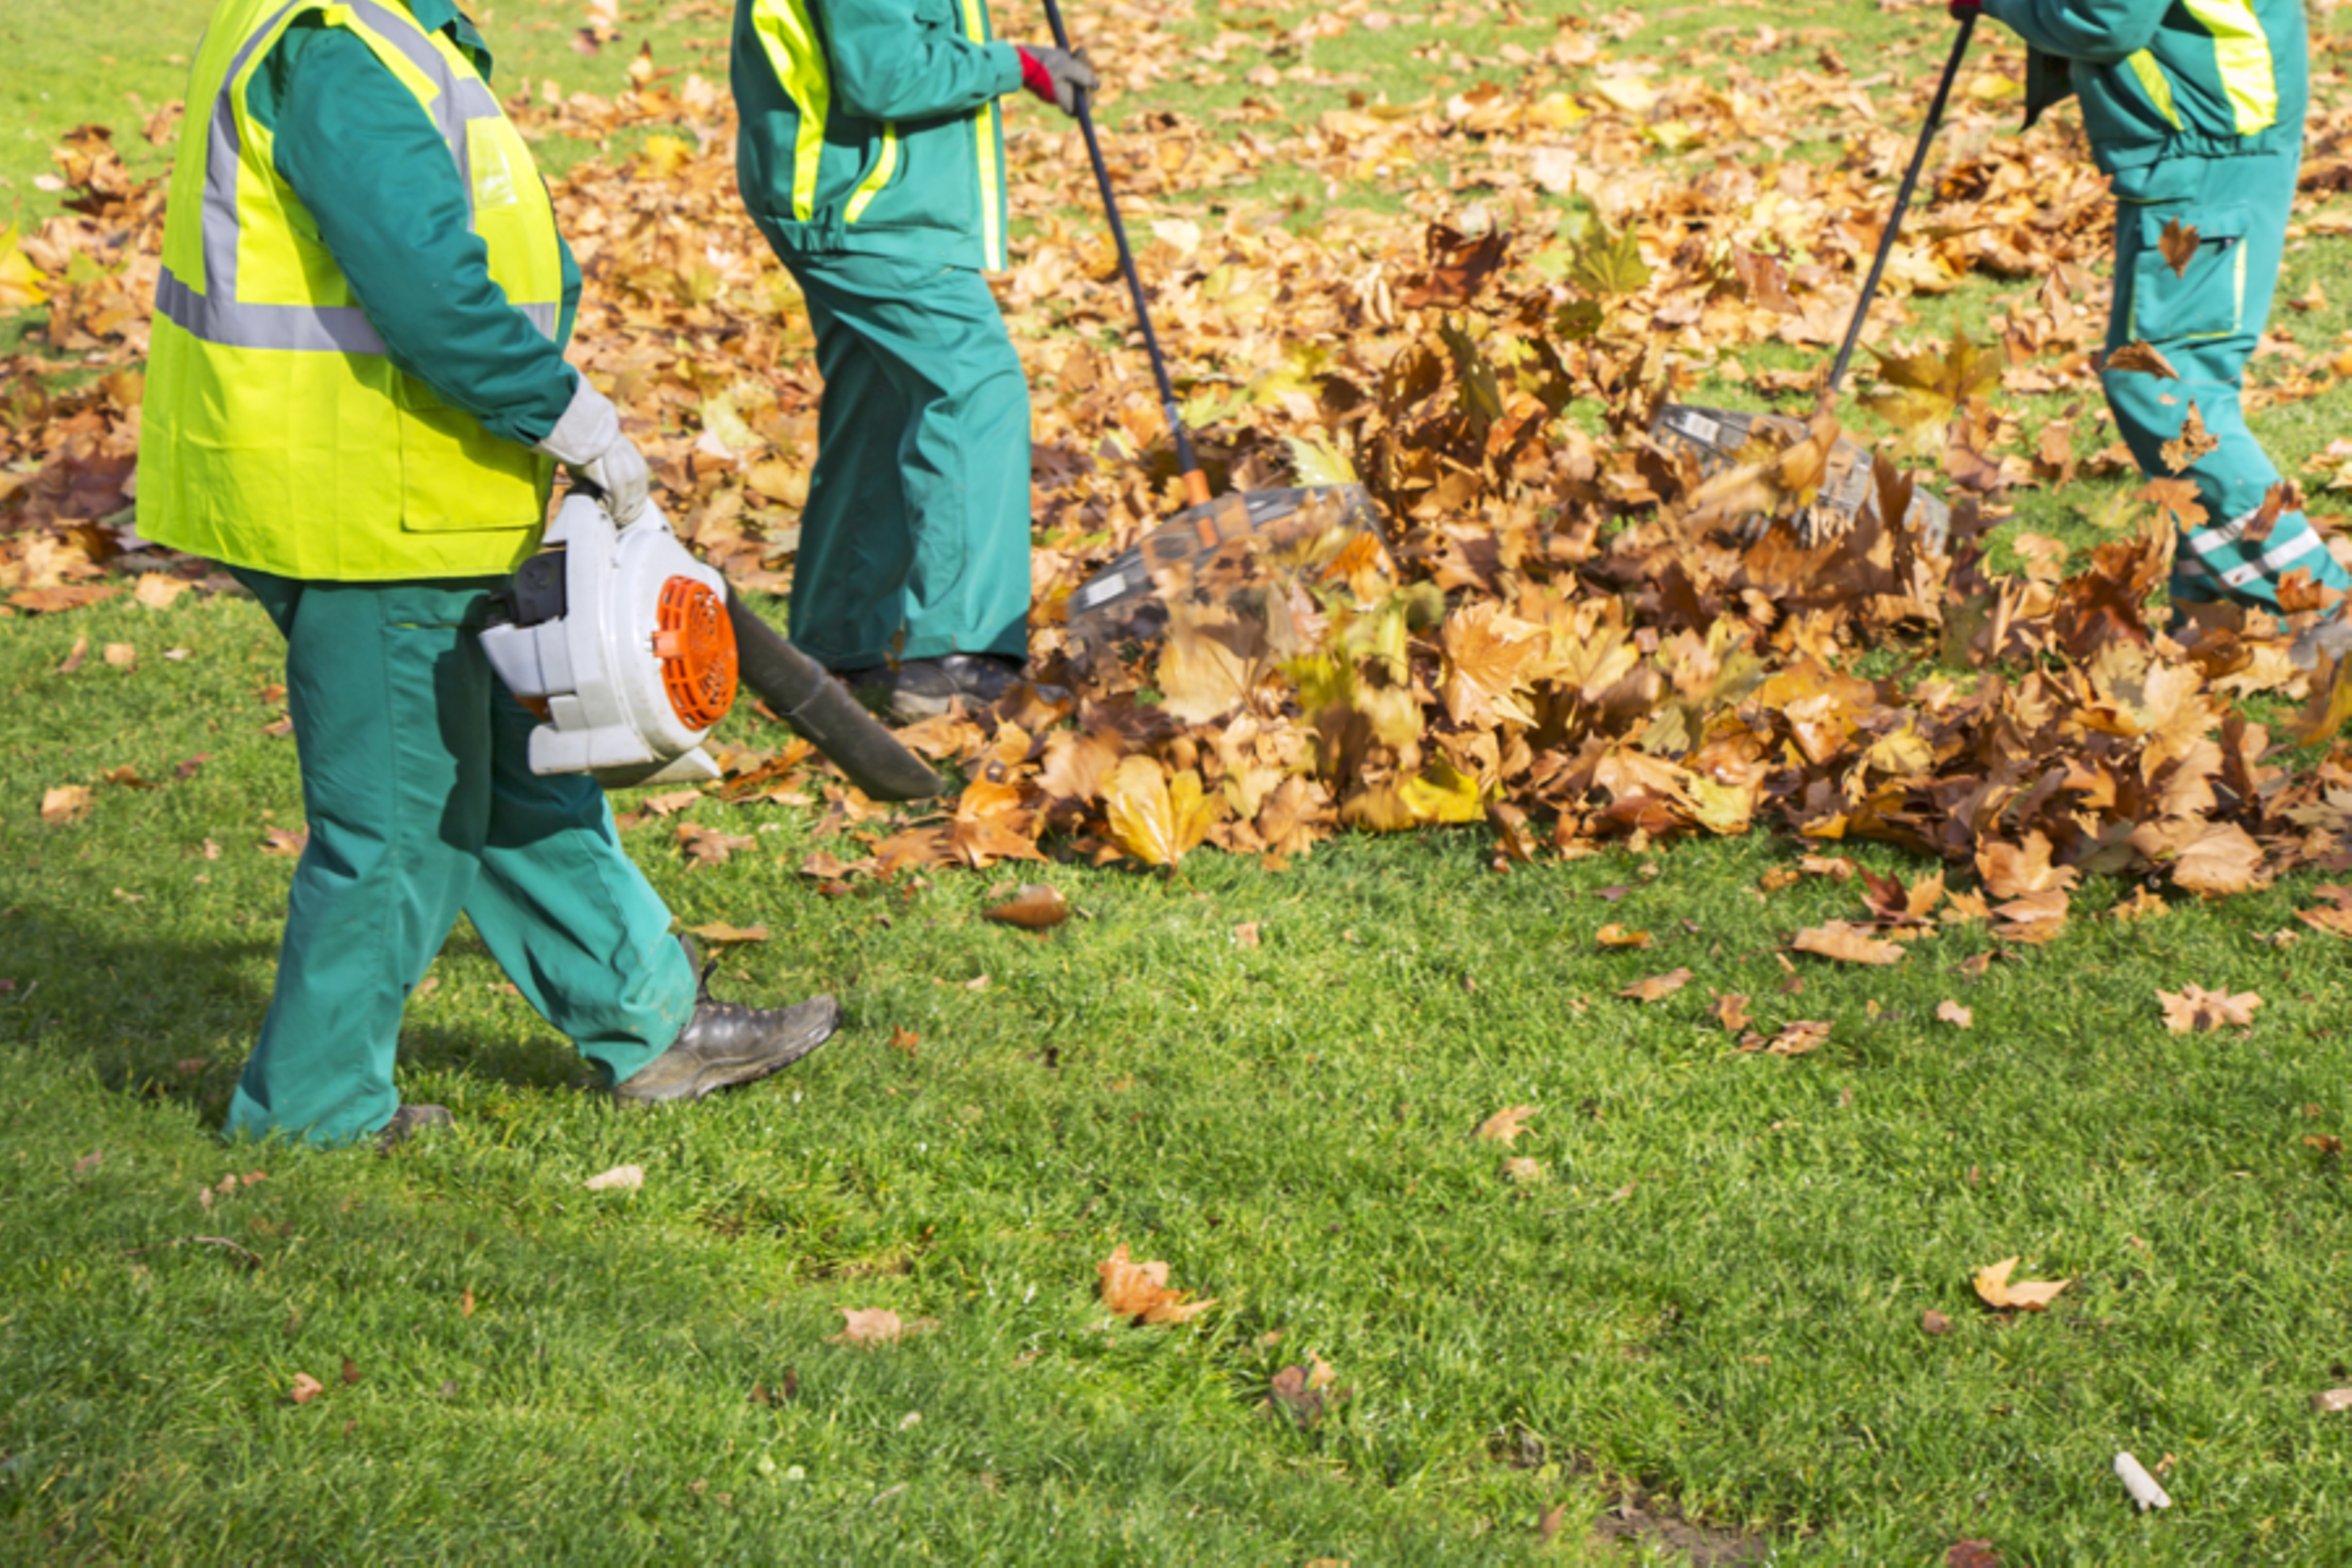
x: 2140, y: 1484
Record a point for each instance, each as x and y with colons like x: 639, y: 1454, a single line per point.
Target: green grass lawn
x: 1705, y: 1303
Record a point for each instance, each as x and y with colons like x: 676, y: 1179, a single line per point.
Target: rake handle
x: 1902, y: 203
x: 1196, y: 485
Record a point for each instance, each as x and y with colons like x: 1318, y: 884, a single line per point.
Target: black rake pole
x: 1894, y: 219
x: 1196, y: 487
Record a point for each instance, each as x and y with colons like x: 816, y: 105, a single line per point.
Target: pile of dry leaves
x: 1561, y: 634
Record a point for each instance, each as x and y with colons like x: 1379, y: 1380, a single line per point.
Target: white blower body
x: 619, y: 640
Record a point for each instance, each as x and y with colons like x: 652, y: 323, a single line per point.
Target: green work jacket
x: 872, y: 126
x: 2166, y: 78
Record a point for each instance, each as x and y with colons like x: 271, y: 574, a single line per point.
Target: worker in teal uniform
x: 2194, y: 109
x: 871, y: 154
x: 357, y: 399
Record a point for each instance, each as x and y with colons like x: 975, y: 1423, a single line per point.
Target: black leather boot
x: 725, y: 1044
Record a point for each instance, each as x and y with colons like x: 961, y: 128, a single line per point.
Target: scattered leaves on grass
x: 2329, y: 1401
x: 1505, y: 1125
x: 1245, y: 934
x: 1995, y: 1288
x: 2193, y: 1009
x: 1157, y: 820
x: 709, y: 846
x: 1847, y: 944
x: 465, y: 1302
x: 1971, y: 1554
x: 1523, y: 1172
x: 1305, y: 1392
x: 720, y: 934
x: 877, y: 1326
x: 73, y: 658
x: 1657, y: 987
x: 619, y: 1179
x: 1034, y: 907
x: 671, y: 803
x: 1952, y: 1012
x: 906, y: 1040
x: 1794, y: 1040
x: 1730, y: 1010
x: 1139, y: 1292
x: 281, y: 841
x: 1618, y: 936
x: 306, y: 1388
x: 122, y: 655
x: 65, y: 803
x: 157, y: 592
x: 1934, y: 1323
x: 88, y: 1161
x: 59, y: 599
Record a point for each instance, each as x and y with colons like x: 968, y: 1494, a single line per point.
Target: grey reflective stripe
x: 298, y: 329
x: 224, y: 148
x: 217, y: 315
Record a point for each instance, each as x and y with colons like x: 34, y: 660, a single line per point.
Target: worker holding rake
x: 871, y: 156
x: 2195, y: 110
x: 356, y: 400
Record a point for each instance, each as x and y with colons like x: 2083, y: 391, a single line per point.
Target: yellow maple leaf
x: 1153, y: 818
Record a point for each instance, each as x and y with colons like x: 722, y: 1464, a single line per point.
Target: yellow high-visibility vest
x: 277, y: 434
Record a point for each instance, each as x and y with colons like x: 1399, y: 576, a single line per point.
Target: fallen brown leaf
x: 1618, y: 936
x: 306, y: 1388
x: 1657, y: 987
x: 1847, y: 944
x: 2193, y: 1009
x: 1953, y: 1014
x: 1034, y: 907
x: 1505, y: 1125
x: 65, y: 803
x: 1139, y: 1292
x: 1992, y: 1283
x: 877, y: 1326
x: 720, y: 933
x: 619, y: 1179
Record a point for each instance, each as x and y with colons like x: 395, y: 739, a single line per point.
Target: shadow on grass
x: 158, y: 1018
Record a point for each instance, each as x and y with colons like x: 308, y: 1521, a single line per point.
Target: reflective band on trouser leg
x: 2243, y: 51
x: 2220, y: 562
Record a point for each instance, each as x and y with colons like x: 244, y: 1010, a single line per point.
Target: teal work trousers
x: 915, y: 541
x: 2206, y: 321
x: 422, y: 803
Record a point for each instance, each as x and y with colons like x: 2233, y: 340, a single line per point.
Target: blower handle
x: 1196, y: 484
x: 1901, y: 204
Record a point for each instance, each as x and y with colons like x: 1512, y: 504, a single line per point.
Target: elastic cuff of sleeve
x: 1011, y: 63
x: 589, y: 427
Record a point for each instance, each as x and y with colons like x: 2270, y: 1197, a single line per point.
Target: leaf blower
x: 1310, y: 518
x: 630, y: 650
x: 1714, y: 437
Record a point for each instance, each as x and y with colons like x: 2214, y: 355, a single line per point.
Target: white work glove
x: 588, y: 441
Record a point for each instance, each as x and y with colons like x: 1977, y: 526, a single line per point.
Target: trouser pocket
x: 2198, y: 288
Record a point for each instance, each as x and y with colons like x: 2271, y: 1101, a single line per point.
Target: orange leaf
x: 1033, y: 908
x: 1139, y: 1290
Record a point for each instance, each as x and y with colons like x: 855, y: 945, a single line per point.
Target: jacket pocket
x: 2204, y: 296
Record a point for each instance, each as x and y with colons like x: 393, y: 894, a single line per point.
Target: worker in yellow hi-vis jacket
x: 357, y: 400
x: 871, y: 156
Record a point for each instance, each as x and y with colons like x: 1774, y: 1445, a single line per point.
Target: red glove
x: 1058, y: 75
x: 1962, y: 10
